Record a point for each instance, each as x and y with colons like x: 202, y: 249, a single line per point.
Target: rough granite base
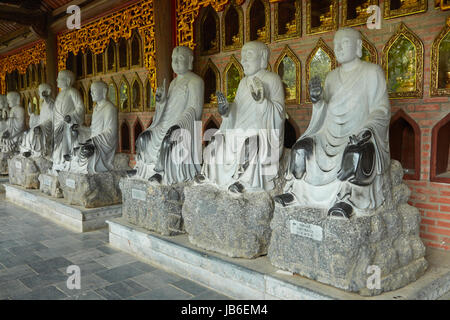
x: 152, y: 206
x: 4, y: 158
x: 233, y: 225
x: 25, y: 171
x: 49, y: 185
x: 91, y: 190
x: 346, y: 253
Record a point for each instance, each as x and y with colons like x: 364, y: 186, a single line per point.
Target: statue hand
x: 257, y: 90
x: 87, y: 151
x: 222, y: 104
x: 74, y: 127
x: 315, y: 89
x: 160, y: 95
x: 169, y: 134
x: 361, y: 138
x: 37, y: 130
x: 6, y: 135
x: 67, y: 119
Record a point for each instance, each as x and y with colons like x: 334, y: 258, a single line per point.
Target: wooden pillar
x: 164, y: 29
x: 52, y: 61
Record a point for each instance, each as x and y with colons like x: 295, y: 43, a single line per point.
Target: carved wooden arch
x: 148, y: 106
x: 370, y: 47
x: 436, y: 139
x: 135, y: 36
x: 210, y: 65
x: 124, y: 81
x: 233, y: 62
x: 404, y: 31
x: 135, y: 136
x: 298, y: 22
x: 125, y: 127
x: 320, y: 45
x: 204, y: 13
x: 137, y: 80
x: 287, y: 52
x: 266, y: 5
x: 240, y: 13
x: 434, y: 86
x: 401, y: 114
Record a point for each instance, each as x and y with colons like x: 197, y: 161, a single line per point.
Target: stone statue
x: 4, y: 112
x: 68, y: 110
x: 179, y: 108
x: 15, y: 124
x: 340, y: 160
x: 38, y: 140
x: 245, y: 152
x: 95, y: 146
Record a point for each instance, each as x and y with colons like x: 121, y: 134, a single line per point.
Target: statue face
x: 180, y: 62
x: 251, y: 60
x: 13, y: 100
x: 345, y: 47
x: 62, y: 81
x: 98, y: 93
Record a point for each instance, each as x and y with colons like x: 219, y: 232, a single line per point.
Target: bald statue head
x: 13, y: 98
x: 45, y: 90
x: 99, y: 91
x: 347, y: 45
x: 254, y: 57
x: 182, y: 60
x: 65, y: 80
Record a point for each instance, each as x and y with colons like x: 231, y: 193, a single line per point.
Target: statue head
x: 347, y: 45
x: 99, y: 91
x: 65, y: 80
x: 3, y: 102
x: 182, y: 60
x: 13, y: 98
x: 254, y: 57
x: 44, y: 90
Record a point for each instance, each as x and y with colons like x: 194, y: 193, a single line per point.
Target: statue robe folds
x: 68, y: 102
x: 262, y: 124
x: 103, y: 133
x: 41, y: 143
x: 183, y: 107
x: 15, y: 125
x: 349, y: 107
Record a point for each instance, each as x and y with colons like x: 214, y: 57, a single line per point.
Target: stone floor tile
x: 167, y: 292
x: 211, y: 295
x: 190, y: 287
x: 120, y: 273
x: 116, y: 259
x: 12, y: 288
x: 47, y: 293
x: 50, y: 265
x: 126, y: 289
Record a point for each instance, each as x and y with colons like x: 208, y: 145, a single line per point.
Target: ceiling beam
x: 37, y: 21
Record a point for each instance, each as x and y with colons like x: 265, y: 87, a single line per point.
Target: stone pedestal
x: 49, y: 185
x: 4, y: 157
x: 347, y: 253
x: 152, y: 206
x: 91, y: 190
x: 25, y: 171
x: 233, y: 225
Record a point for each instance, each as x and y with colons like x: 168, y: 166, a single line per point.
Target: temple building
x: 130, y: 47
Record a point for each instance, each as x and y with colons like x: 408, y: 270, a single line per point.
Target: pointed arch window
x: 112, y: 93
x: 111, y: 56
x: 136, y: 95
x: 440, y: 63
x: 288, y: 23
x: 99, y: 63
x: 149, y: 96
x: 89, y: 63
x: 136, y: 49
x: 209, y: 32
x: 440, y: 151
x: 70, y: 62
x: 123, y: 53
x: 403, y: 64
x: 79, y: 65
x: 210, y: 127
x: 125, y: 138
x: 258, y: 21
x: 232, y: 76
x: 404, y: 143
x: 369, y: 51
x: 211, y: 78
x: 232, y: 27
x: 124, y: 95
x: 288, y: 68
x: 138, y: 129
x: 319, y: 63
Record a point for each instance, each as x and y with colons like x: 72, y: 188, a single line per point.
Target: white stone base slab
x: 72, y: 217
x: 252, y: 279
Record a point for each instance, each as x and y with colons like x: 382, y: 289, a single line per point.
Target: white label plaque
x: 18, y: 165
x: 306, y: 230
x: 70, y: 183
x: 138, y: 194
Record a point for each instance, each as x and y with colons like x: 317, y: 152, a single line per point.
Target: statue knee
x: 358, y: 164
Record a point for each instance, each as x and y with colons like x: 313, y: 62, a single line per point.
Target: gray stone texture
x: 156, y: 207
x: 4, y: 158
x: 92, y: 190
x: 25, y: 171
x: 233, y: 225
x: 49, y: 185
x: 387, y: 238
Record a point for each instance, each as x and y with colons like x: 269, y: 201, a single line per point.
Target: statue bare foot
x: 285, y: 199
x: 236, y: 187
x: 199, y: 178
x: 67, y: 157
x: 27, y: 154
x: 155, y: 178
x: 131, y: 173
x: 341, y: 209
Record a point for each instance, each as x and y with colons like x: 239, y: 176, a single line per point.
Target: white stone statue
x: 38, y: 140
x: 339, y: 162
x: 4, y: 112
x: 68, y: 110
x: 179, y: 108
x: 15, y: 124
x: 95, y: 146
x: 244, y: 153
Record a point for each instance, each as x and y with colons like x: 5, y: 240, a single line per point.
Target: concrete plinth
x: 72, y: 217
x: 257, y: 278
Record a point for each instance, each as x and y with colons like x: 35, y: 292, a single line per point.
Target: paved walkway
x: 35, y: 254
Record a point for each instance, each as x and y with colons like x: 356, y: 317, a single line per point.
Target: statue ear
x: 264, y: 60
x: 359, y: 48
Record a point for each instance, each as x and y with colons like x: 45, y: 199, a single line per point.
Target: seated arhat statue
x: 339, y: 162
x: 15, y: 124
x: 158, y: 149
x: 244, y: 153
x: 95, y: 146
x: 37, y: 141
x: 68, y: 110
